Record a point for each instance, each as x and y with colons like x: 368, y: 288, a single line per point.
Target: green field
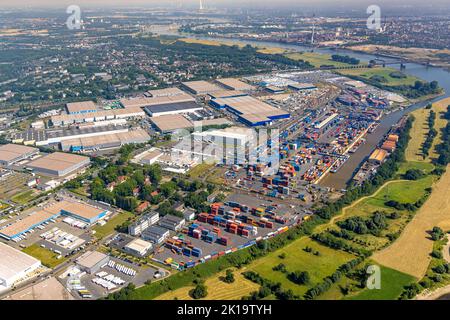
x: 200, y: 170
x: 392, y: 283
x: 368, y: 73
x: 24, y: 197
x: 108, y: 228
x: 402, y: 191
x: 424, y: 166
x: 317, y: 59
x: 47, y: 257
x: 297, y: 259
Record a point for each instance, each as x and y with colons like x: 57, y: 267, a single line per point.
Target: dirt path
x: 410, y: 252
x: 446, y: 250
x: 433, y: 295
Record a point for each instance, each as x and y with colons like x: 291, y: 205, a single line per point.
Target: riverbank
x: 438, y: 294
x: 423, y: 56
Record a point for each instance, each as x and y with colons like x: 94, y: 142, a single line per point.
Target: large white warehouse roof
x: 14, y: 262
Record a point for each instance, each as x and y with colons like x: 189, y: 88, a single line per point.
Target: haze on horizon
x: 349, y: 4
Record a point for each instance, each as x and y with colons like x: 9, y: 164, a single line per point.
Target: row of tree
x: 444, y: 148
x: 345, y: 59
x: 432, y: 133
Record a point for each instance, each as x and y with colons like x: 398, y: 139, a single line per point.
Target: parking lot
x: 110, y: 274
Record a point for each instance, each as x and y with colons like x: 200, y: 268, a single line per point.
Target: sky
x: 341, y: 4
x: 214, y: 2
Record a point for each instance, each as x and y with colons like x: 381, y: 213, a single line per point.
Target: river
x: 339, y: 179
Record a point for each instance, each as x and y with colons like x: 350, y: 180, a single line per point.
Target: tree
x: 437, y: 233
x: 299, y: 277
x: 200, y: 291
x: 168, y: 188
x: 229, y: 276
x: 413, y: 174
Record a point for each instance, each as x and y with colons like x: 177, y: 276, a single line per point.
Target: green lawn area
x: 297, y: 259
x: 420, y: 165
x: 392, y: 283
x: 108, y: 228
x: 368, y: 73
x: 402, y: 191
x: 81, y: 191
x: 200, y: 170
x: 47, y: 257
x: 317, y: 59
x: 24, y: 197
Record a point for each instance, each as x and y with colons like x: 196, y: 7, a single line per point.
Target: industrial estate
x: 271, y: 177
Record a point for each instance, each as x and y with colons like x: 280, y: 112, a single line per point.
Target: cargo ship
x: 338, y: 164
x: 357, y: 145
x: 373, y: 127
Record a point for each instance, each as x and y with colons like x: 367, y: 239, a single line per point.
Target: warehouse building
x: 227, y: 94
x: 12, y: 153
x: 200, y: 87
x: 81, y: 107
x: 138, y: 247
x: 250, y: 111
x: 77, y: 210
x: 274, y: 89
x: 170, y: 123
x: 137, y: 227
x: 156, y: 100
x: 172, y: 222
x: 59, y: 164
x: 232, y: 143
x: 100, y: 116
x: 155, y: 235
x: 302, y: 86
x: 15, y: 266
x: 235, y: 84
x: 233, y: 136
x: 148, y: 157
x: 13, y: 230
x: 92, y: 261
x: 55, y: 136
x: 378, y: 156
x: 172, y: 108
x: 168, y: 92
x: 110, y: 141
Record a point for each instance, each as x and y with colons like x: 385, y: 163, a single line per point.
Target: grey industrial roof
x: 177, y: 106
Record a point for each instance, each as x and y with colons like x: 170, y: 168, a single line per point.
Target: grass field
x: 47, y: 257
x: 24, y: 197
x: 368, y: 73
x: 410, y: 252
x: 262, y: 49
x: 108, y: 228
x: 440, y: 108
x: 419, y: 131
x: 200, y: 170
x: 297, y: 259
x: 317, y: 59
x: 392, y: 283
x: 403, y: 191
x: 420, y: 165
x: 217, y: 289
